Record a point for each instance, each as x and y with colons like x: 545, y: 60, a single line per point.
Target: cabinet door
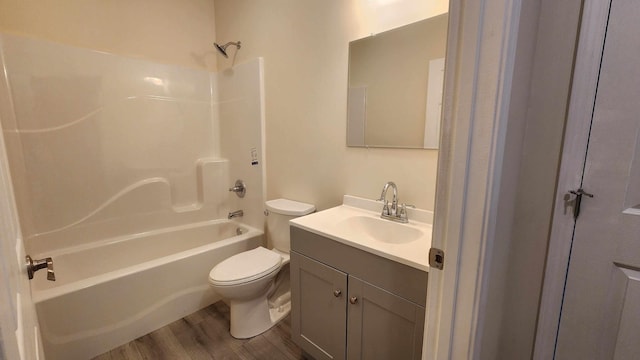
x: 318, y: 314
x: 382, y: 325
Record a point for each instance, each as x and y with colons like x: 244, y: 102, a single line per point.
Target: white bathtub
x: 111, y: 292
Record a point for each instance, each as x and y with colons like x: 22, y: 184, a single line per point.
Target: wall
x: 168, y: 31
x: 305, y: 49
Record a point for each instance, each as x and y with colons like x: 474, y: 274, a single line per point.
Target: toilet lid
x: 244, y: 267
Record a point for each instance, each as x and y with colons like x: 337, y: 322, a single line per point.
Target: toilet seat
x: 245, y: 267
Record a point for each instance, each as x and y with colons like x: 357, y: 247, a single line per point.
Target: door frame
x: 475, y: 172
x: 19, y: 334
x: 19, y: 331
x: 583, y: 94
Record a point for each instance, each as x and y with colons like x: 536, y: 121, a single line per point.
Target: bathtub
x: 110, y: 292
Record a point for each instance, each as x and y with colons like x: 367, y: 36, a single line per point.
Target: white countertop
x: 330, y: 223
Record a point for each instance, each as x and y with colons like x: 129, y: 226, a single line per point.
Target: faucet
x: 386, y: 211
x: 393, y: 212
x: 236, y: 213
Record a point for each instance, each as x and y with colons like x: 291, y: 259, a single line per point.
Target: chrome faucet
x: 237, y: 213
x: 393, y: 211
x: 386, y: 211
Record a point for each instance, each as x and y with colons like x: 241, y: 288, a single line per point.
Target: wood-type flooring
x: 205, y: 335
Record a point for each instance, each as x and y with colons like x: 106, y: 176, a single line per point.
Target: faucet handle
x: 385, y: 208
x: 239, y: 188
x: 51, y: 275
x: 403, y: 210
x: 35, y: 265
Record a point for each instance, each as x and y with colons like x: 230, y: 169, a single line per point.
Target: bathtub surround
x: 107, y: 145
x: 105, y: 138
x: 102, y: 147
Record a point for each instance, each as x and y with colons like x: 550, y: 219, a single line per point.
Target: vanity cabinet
x: 320, y: 308
x: 351, y: 304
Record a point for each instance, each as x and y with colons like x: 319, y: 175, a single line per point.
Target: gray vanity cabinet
x: 320, y: 307
x: 382, y: 325
x: 350, y: 304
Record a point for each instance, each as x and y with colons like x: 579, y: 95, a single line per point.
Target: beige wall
x: 168, y: 31
x: 305, y: 50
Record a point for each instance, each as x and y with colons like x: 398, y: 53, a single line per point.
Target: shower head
x: 223, y: 48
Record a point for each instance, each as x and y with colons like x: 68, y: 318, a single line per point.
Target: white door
x: 600, y: 315
x: 18, y: 331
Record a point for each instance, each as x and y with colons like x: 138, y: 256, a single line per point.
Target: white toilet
x: 256, y: 282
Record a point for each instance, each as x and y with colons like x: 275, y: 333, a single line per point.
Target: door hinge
x: 436, y: 258
x: 578, y: 201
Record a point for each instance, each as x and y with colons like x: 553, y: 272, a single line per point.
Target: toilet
x: 256, y: 282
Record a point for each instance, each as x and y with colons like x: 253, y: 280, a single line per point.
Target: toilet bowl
x: 256, y: 282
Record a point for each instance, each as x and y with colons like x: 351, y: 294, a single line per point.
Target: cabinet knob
x: 337, y: 293
x: 353, y: 299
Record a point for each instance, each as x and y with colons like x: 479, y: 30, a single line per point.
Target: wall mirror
x: 395, y: 86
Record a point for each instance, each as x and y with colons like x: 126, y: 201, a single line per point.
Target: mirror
x: 395, y: 86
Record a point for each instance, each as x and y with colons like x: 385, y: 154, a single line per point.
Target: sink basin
x: 380, y: 229
x: 357, y: 223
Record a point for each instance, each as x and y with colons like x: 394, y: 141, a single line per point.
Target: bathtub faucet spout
x: 234, y: 214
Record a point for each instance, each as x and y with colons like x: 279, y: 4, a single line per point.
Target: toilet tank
x: 280, y: 211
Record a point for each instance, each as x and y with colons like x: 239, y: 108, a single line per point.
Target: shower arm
x: 237, y: 44
x: 223, y: 49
